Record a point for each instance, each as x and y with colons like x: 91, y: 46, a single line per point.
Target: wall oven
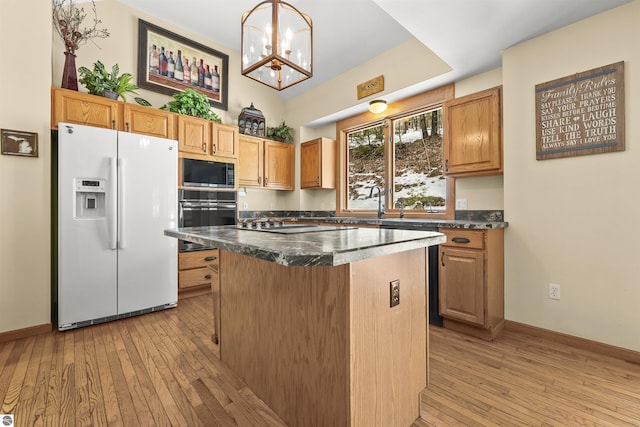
x: 203, y: 208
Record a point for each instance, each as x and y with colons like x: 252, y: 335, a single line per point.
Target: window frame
x: 422, y: 102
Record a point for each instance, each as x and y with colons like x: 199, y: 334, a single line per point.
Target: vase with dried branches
x: 67, y: 20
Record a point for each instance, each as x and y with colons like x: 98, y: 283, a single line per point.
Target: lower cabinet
x: 197, y: 271
x: 471, y: 283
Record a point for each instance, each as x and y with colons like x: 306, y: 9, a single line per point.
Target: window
x: 402, y: 155
x: 365, y: 166
x: 417, y: 174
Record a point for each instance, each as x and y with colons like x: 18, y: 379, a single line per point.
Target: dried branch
x: 67, y: 18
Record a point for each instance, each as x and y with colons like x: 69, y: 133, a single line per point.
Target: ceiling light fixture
x: 277, y: 44
x: 377, y: 106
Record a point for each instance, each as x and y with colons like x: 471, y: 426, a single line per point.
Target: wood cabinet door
x: 310, y: 164
x: 461, y: 285
x: 194, y: 135
x: 149, y: 121
x: 317, y: 164
x: 250, y: 162
x: 472, y: 141
x: 279, y: 165
x: 83, y: 109
x: 224, y: 141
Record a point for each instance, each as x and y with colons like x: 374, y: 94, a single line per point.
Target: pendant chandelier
x: 276, y: 44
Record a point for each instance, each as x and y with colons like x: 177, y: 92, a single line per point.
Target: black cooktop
x: 281, y: 228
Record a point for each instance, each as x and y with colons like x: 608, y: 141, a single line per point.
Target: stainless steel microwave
x: 203, y: 173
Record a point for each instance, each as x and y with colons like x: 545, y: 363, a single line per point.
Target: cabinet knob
x: 204, y: 147
x: 318, y: 180
x: 210, y: 258
x: 446, y: 165
x: 215, y: 148
x: 127, y: 126
x: 266, y: 180
x: 442, y: 258
x: 113, y: 124
x: 208, y: 276
x: 259, y: 180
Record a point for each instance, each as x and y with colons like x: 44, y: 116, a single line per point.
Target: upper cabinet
x: 194, y: 135
x: 265, y: 164
x: 149, y: 121
x: 76, y: 107
x: 318, y: 164
x: 473, y: 134
x: 279, y: 165
x: 224, y: 141
x: 198, y: 137
x: 91, y: 110
x: 206, y: 138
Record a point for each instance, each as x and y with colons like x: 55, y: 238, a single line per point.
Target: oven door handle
x: 200, y: 208
x: 180, y: 215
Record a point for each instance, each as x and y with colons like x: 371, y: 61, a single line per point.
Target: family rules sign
x: 581, y: 114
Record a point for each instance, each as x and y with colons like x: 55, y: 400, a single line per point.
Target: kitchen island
x: 306, y: 320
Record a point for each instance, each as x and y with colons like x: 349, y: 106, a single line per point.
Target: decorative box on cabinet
x: 471, y: 282
x: 197, y: 271
x: 472, y: 141
x: 318, y: 164
x: 265, y: 164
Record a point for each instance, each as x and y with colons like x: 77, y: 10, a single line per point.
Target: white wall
x: 573, y: 221
x: 25, y: 286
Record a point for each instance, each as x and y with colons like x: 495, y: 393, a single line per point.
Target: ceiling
x: 469, y: 35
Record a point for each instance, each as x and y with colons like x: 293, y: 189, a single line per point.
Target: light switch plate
x: 461, y: 203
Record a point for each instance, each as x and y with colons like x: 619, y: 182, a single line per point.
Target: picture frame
x: 19, y: 143
x: 163, y: 76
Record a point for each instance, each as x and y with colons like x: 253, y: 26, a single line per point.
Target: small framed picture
x: 19, y: 143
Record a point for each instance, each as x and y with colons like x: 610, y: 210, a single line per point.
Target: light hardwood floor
x: 161, y: 369
x: 157, y: 369
x: 519, y: 380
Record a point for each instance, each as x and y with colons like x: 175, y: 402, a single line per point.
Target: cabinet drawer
x: 197, y: 259
x: 472, y: 239
x: 196, y: 277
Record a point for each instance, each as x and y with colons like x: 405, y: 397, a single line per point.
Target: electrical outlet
x: 461, y: 203
x: 554, y: 291
x: 245, y: 206
x: 394, y: 293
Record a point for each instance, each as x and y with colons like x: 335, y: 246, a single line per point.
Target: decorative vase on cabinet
x: 69, y: 74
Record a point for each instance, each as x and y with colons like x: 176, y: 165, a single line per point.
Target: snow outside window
x: 413, y: 165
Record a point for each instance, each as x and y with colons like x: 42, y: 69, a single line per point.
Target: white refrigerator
x: 117, y: 193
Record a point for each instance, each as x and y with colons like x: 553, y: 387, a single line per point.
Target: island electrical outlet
x: 394, y: 293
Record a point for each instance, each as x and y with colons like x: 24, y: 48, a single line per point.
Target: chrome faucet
x: 380, y: 211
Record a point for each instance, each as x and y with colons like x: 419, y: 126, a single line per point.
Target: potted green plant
x: 101, y: 82
x: 282, y: 132
x: 191, y: 103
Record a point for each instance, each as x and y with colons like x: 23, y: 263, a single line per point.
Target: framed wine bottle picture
x: 170, y: 63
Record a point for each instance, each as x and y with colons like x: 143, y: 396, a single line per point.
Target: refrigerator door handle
x: 121, y: 207
x: 113, y: 207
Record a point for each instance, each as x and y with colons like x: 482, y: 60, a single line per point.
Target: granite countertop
x: 409, y: 223
x: 326, y: 248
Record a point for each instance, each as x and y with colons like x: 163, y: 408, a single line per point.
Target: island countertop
x: 324, y: 248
